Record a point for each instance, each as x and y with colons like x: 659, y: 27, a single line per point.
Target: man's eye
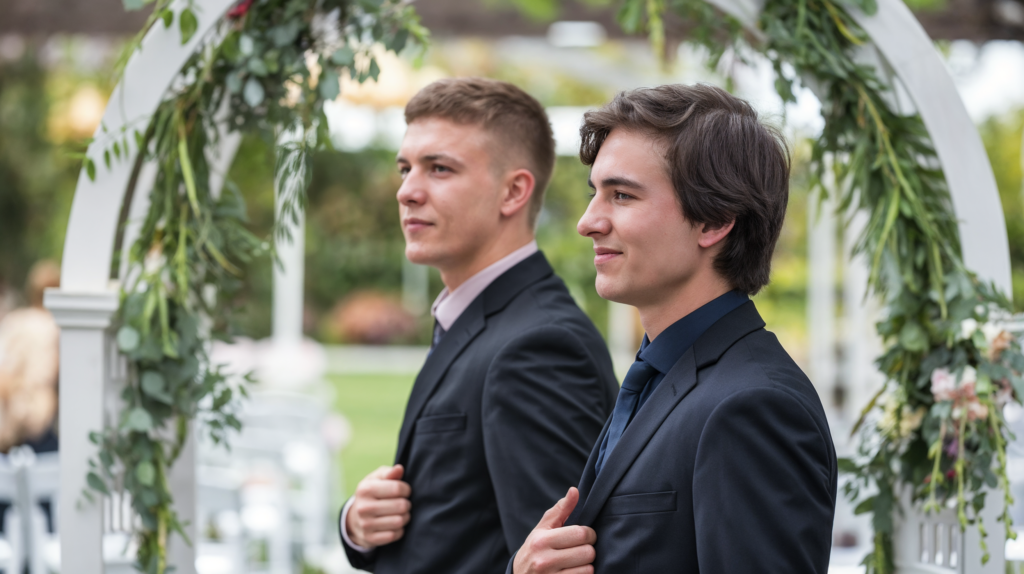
x: 403, y: 171
x: 441, y: 168
x: 619, y: 196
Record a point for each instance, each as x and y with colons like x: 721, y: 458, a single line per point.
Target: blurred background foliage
x: 52, y: 96
x: 50, y: 103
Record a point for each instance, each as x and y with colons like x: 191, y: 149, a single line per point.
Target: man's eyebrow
x: 617, y: 181
x: 431, y: 157
x: 441, y: 156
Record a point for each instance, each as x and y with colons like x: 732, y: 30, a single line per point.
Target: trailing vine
x: 936, y: 428
x: 267, y: 68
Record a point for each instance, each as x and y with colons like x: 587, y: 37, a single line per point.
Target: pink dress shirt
x: 446, y: 309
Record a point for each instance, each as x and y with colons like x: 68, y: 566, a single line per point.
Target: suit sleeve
x: 544, y: 405
x: 764, y: 487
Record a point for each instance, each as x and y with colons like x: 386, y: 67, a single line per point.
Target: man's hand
x: 552, y: 548
x: 380, y: 511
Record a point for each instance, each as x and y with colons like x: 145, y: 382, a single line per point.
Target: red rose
x: 240, y: 9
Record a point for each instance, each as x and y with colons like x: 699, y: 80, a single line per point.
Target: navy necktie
x: 438, y: 334
x: 636, y: 379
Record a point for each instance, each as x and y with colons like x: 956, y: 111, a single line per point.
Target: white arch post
x: 87, y: 299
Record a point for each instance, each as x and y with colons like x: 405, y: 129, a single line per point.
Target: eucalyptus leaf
x: 344, y: 56
x: 153, y: 383
x: 246, y: 45
x: 233, y: 83
x: 145, y: 473
x: 329, y: 85
x: 285, y: 34
x: 138, y: 420
x: 257, y: 67
x: 253, y: 93
x: 127, y: 339
x: 96, y: 483
x: 188, y: 24
x: 913, y: 337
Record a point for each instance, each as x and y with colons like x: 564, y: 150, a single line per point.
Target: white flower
x: 967, y: 328
x: 991, y: 332
x: 943, y: 385
x: 968, y: 376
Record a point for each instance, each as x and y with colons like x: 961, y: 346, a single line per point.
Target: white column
x: 182, y: 483
x: 84, y: 320
x: 821, y: 298
x: 861, y: 344
x: 288, y: 284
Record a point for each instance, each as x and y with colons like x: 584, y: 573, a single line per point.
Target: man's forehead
x: 423, y: 137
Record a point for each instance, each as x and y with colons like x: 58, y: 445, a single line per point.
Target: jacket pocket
x: 640, y: 503
x: 441, y: 423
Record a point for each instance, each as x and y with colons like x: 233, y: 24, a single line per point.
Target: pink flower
x: 943, y: 385
x: 240, y: 9
x: 976, y: 410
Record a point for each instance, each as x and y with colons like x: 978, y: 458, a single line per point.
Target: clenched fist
x: 380, y: 509
x: 552, y: 548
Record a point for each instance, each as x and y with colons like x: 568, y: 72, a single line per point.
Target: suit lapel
x: 589, y: 473
x: 678, y: 383
x: 465, y: 329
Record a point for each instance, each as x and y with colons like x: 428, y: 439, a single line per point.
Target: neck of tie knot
x: 637, y: 377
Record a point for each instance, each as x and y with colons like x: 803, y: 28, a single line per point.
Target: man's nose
x: 594, y: 220
x: 412, y: 190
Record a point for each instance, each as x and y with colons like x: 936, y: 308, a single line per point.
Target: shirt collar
x: 449, y: 305
x: 664, y: 351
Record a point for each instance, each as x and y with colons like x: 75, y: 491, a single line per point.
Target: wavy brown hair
x: 725, y: 165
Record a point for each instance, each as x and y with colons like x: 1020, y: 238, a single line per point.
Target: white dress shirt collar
x: 449, y: 305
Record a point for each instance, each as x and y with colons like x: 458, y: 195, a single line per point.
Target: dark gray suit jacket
x: 728, y: 468
x: 499, y: 424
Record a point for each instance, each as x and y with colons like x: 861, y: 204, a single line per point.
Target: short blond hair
x: 515, y: 118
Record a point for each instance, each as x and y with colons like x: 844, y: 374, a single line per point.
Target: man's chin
x: 420, y: 255
x: 611, y: 290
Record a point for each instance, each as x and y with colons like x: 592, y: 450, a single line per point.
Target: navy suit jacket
x: 729, y: 467
x: 498, y: 426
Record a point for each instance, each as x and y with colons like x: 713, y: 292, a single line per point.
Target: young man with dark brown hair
x: 518, y: 381
x: 717, y: 457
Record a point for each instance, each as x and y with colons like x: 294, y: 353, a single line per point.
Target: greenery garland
x: 271, y: 64
x: 936, y: 427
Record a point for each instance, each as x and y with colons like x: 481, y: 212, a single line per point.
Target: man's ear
x: 712, y: 235
x: 518, y: 190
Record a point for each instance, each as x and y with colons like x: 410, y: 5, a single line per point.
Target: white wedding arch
x: 87, y: 299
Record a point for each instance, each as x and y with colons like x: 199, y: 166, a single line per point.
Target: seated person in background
x: 518, y: 381
x: 718, y: 457
x: 29, y: 346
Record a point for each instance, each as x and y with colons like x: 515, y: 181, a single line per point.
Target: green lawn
x: 374, y: 405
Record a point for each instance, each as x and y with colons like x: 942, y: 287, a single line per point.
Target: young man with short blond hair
x: 518, y: 381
